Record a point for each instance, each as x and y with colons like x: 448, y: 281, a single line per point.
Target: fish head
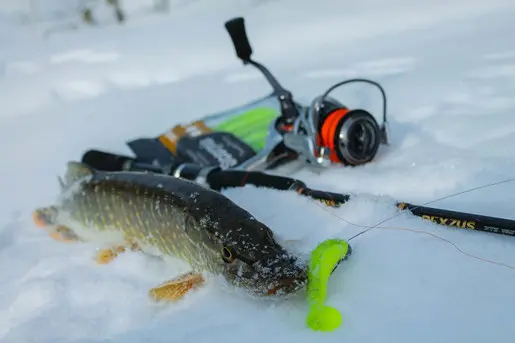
x: 255, y: 261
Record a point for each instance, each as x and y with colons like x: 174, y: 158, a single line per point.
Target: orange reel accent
x: 328, y: 130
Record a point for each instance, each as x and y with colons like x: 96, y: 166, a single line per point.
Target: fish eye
x: 227, y: 255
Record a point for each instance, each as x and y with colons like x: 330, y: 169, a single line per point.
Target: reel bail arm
x: 383, y: 127
x: 335, y: 134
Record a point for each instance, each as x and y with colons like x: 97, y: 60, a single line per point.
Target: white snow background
x: 448, y: 68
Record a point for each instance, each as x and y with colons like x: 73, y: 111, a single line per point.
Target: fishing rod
x: 218, y: 179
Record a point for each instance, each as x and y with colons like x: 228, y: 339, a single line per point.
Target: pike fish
x: 168, y: 216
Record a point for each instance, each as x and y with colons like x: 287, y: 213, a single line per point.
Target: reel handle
x: 236, y: 29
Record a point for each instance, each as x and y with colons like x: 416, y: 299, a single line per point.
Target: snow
x: 448, y: 68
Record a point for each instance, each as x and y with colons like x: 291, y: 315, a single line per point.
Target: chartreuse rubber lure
x: 324, y: 259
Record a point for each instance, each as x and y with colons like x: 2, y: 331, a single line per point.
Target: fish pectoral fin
x: 44, y: 216
x: 176, y: 288
x: 105, y: 256
x: 63, y: 234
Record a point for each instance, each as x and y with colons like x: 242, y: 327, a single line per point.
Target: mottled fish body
x: 175, y: 217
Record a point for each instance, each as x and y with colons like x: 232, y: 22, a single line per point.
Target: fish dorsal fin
x: 76, y: 171
x: 62, y: 185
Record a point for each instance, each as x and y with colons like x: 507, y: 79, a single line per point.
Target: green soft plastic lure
x: 324, y: 259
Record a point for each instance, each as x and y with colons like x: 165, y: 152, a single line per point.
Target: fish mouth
x: 281, y: 277
x: 285, y: 286
x: 288, y: 280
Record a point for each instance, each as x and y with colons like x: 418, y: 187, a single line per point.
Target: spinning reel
x: 324, y: 132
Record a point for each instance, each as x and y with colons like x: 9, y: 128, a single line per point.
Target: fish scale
x: 178, y: 218
x: 150, y: 216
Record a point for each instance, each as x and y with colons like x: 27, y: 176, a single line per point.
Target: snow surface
x: 449, y: 70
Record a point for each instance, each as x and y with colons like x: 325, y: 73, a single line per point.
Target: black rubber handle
x: 219, y: 180
x: 104, y: 160
x: 236, y: 29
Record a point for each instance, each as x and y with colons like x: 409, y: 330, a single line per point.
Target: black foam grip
x: 105, y: 161
x: 232, y: 179
x: 236, y: 29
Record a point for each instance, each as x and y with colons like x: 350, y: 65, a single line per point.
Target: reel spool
x: 353, y: 136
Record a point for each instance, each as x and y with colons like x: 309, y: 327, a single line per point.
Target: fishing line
x: 436, y: 200
x: 454, y: 245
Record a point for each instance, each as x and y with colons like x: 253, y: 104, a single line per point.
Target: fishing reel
x: 326, y: 131
x: 322, y: 133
